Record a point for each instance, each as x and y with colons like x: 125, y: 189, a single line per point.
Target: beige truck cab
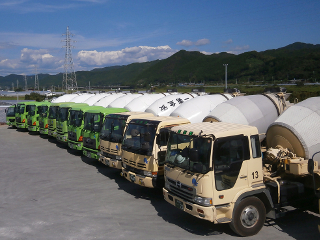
x: 111, y: 136
x: 211, y: 169
x: 144, y: 148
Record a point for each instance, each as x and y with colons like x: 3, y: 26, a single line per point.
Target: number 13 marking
x: 255, y: 174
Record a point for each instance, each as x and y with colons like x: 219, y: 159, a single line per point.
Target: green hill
x: 297, y: 60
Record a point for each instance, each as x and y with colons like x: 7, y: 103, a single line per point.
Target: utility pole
x: 17, y: 83
x: 36, y: 80
x: 69, y: 81
x: 12, y: 86
x: 226, y: 74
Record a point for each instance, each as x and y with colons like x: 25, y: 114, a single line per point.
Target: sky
x: 119, y: 32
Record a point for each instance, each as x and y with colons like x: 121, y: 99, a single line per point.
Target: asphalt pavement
x: 48, y: 191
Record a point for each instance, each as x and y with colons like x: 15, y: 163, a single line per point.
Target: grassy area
x: 11, y: 98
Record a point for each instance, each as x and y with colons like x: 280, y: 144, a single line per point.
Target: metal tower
x: 25, y: 83
x: 36, y: 80
x: 69, y: 81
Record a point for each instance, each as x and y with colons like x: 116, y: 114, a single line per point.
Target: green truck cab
x: 75, y: 126
x: 21, y: 114
x: 52, y: 118
x: 62, y: 120
x: 33, y: 116
x: 93, y: 121
x: 10, y: 115
x: 43, y: 118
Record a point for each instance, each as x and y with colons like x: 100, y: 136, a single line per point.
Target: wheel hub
x: 249, y: 216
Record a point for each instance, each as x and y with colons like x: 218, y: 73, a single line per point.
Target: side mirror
x: 310, y: 166
x: 6, y: 110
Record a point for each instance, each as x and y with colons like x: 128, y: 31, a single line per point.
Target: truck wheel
x: 248, y: 217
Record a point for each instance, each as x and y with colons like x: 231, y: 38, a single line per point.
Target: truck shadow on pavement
x: 298, y: 224
x: 166, y: 211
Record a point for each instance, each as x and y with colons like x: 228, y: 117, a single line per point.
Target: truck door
x: 230, y: 167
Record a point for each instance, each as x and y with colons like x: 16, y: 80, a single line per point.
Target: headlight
x: 118, y: 157
x: 203, y: 201
x: 147, y: 173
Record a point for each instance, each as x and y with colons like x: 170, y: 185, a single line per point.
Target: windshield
x: 63, y: 114
x: 189, y: 152
x: 53, y: 112
x: 75, y: 118
x: 20, y: 108
x: 43, y: 111
x: 93, y: 121
x: 10, y: 112
x: 112, y: 129
x: 139, y: 138
x: 32, y: 110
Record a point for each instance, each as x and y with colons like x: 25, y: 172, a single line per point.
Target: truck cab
x: 52, y: 118
x: 10, y: 115
x: 211, y: 169
x: 75, y: 127
x: 43, y: 118
x: 144, y: 147
x: 111, y: 136
x: 62, y: 120
x: 33, y: 116
x: 93, y: 122
x: 21, y: 114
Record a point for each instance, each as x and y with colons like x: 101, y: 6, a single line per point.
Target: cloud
x: 27, y: 6
x: 188, y: 43
x: 229, y: 41
x: 124, y: 56
x: 239, y: 49
x: 202, y: 42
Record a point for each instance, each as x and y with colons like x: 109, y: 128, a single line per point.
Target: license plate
x: 179, y: 204
x: 132, y: 177
x: 71, y: 146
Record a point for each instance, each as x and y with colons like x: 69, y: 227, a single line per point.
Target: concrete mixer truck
x: 144, y: 147
x: 216, y: 171
x: 111, y: 136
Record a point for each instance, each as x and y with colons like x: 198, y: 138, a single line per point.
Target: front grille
x: 41, y: 124
x: 89, y: 143
x: 134, y: 170
x: 133, y: 163
x: 181, y: 190
x: 72, y: 136
x: 11, y: 120
x: 18, y: 119
x: 29, y: 122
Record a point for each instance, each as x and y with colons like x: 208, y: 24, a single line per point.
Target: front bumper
x: 75, y: 145
x: 207, y: 213
x: 43, y: 131
x: 63, y: 138
x: 145, y: 181
x: 52, y: 133
x: 110, y: 162
x: 90, y: 153
x: 21, y: 125
x: 32, y: 128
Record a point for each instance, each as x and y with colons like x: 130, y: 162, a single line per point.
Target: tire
x: 248, y: 217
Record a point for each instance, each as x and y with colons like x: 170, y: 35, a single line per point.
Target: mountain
x: 297, y: 60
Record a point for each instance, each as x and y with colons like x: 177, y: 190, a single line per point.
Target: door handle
x: 242, y: 177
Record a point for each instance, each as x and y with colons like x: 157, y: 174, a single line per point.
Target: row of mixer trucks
x: 209, y: 157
